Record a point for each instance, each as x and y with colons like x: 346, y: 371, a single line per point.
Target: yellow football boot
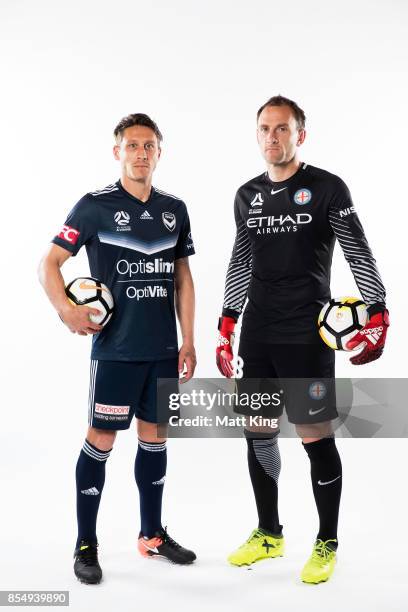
x: 260, y: 545
x: 321, y: 563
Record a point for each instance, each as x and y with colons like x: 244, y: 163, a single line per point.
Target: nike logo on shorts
x: 312, y: 412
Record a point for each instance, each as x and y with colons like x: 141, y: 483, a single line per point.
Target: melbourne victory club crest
x: 302, y: 196
x: 169, y: 221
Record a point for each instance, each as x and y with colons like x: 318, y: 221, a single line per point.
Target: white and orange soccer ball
x: 340, y: 319
x: 88, y: 291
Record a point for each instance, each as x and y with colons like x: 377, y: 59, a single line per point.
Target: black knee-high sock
x: 264, y: 467
x: 90, y: 478
x: 150, y: 472
x: 326, y: 473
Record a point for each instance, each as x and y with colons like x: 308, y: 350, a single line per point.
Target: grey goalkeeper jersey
x: 282, y: 255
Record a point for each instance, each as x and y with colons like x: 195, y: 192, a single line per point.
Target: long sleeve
x: 239, y: 270
x: 350, y: 234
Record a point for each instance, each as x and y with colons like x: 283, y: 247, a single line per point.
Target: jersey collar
x: 133, y: 198
x: 302, y: 167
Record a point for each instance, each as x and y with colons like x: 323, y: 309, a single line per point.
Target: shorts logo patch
x: 107, y: 409
x: 317, y: 390
x: 69, y: 234
x: 302, y: 196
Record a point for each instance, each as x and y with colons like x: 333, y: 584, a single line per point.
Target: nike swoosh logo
x: 329, y: 481
x: 312, y: 412
x: 86, y: 286
x: 278, y: 190
x: 154, y: 549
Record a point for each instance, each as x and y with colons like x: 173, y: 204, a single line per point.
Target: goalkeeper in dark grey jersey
x: 287, y: 220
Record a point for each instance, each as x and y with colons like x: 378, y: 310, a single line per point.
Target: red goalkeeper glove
x: 371, y: 337
x: 224, y: 353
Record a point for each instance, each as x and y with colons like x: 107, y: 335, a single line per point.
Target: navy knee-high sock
x: 326, y: 474
x: 150, y: 472
x: 90, y: 478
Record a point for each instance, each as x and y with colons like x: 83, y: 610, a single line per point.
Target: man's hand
x: 224, y: 355
x: 76, y: 318
x: 187, y: 362
x: 371, y: 338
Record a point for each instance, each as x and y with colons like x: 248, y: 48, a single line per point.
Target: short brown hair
x: 282, y: 101
x: 136, y: 119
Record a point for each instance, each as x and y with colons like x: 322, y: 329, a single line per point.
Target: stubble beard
x: 282, y: 162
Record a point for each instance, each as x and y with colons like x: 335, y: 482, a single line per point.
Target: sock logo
x: 91, y: 491
x: 328, y: 481
x: 159, y: 482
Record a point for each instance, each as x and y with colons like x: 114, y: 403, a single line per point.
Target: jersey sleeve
x: 239, y: 269
x: 185, y: 244
x: 350, y: 234
x: 78, y: 229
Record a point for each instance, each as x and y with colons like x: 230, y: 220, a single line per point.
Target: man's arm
x: 239, y: 271
x: 236, y: 289
x: 49, y: 272
x: 185, y: 308
x: 350, y: 234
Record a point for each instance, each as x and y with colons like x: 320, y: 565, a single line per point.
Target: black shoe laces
x: 169, y: 540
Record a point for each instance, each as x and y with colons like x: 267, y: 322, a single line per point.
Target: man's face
x: 278, y: 135
x: 138, y: 153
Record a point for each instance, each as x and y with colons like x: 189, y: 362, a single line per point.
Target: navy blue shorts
x: 302, y: 374
x: 120, y: 390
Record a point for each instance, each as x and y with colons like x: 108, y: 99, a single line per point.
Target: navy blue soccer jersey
x: 132, y: 247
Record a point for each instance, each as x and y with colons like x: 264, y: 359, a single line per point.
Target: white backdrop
x: 69, y: 72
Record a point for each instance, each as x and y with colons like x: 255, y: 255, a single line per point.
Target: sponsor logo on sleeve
x: 190, y: 245
x: 347, y: 211
x: 69, y: 234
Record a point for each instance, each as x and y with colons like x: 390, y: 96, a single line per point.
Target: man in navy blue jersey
x: 287, y: 220
x: 138, y: 241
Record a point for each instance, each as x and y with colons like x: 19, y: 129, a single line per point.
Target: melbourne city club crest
x: 302, y: 196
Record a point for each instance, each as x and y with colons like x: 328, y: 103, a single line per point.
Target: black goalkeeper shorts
x: 302, y: 374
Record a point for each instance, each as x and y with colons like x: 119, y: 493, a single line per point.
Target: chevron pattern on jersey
x: 239, y: 271
x: 360, y: 259
x: 148, y: 248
